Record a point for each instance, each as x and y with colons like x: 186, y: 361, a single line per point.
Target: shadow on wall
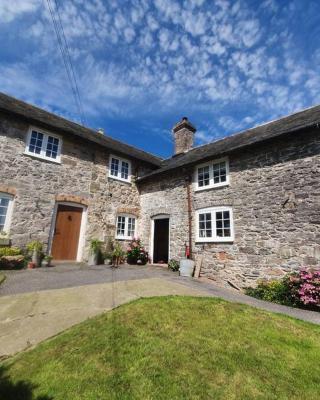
x: 20, y: 390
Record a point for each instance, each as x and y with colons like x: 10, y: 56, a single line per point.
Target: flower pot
x: 93, y: 259
x: 186, y: 267
x: 36, y: 258
x: 31, y: 265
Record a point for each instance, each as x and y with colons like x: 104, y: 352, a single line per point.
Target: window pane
x: 219, y: 172
x: 36, y: 141
x: 131, y: 226
x: 121, y: 224
x: 223, y: 224
x: 205, y: 226
x: 52, y: 147
x: 4, y: 203
x: 203, y: 176
x: 114, y: 166
x: 124, y: 170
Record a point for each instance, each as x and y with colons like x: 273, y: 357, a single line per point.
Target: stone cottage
x: 246, y: 206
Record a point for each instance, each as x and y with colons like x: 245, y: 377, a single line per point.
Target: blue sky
x: 142, y: 65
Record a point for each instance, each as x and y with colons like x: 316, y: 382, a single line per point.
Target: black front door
x: 161, y: 241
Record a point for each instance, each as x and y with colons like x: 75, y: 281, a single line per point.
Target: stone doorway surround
x: 151, y: 244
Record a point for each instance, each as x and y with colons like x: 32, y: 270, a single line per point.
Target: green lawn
x: 172, y: 348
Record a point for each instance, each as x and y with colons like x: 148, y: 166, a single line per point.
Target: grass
x: 172, y: 348
x: 2, y: 277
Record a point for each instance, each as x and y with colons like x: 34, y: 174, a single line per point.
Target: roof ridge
x: 255, y: 127
x: 90, y: 130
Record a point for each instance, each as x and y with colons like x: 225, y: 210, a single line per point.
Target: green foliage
x: 35, y: 246
x: 174, y: 265
x: 9, y: 251
x: 118, y: 254
x: 175, y: 348
x: 276, y: 291
x: 96, y: 246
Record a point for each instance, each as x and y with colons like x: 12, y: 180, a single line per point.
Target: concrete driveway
x: 38, y: 304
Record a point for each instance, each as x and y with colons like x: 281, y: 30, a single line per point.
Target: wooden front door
x: 66, y: 233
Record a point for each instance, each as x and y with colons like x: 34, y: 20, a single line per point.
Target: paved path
x: 30, y: 313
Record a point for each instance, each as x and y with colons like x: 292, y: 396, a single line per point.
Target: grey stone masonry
x: 274, y: 192
x: 83, y: 174
x: 183, y: 133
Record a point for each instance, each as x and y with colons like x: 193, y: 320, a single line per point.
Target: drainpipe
x: 189, y: 184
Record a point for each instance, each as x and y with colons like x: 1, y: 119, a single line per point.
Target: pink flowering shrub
x: 305, y: 286
x: 299, y: 289
x: 136, y: 254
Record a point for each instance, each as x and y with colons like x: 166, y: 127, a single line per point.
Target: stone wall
x: 168, y: 196
x: 83, y: 174
x: 275, y: 195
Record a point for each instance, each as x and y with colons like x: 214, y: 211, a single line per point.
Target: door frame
x: 82, y: 226
x: 159, y: 216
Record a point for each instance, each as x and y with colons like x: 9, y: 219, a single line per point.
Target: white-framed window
x: 119, y: 168
x: 6, y: 205
x: 212, y: 174
x: 214, y: 224
x: 43, y: 145
x: 126, y: 227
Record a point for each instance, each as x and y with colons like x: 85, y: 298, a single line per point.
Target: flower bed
x: 298, y: 289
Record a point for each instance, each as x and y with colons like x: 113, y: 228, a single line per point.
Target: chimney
x: 183, y: 133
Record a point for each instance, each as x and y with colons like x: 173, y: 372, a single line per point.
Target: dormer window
x: 212, y: 174
x: 43, y: 145
x: 119, y: 169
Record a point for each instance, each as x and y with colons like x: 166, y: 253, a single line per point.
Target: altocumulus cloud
x: 142, y: 64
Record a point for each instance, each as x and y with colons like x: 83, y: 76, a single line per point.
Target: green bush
x: 9, y: 251
x: 174, y: 265
x: 274, y: 291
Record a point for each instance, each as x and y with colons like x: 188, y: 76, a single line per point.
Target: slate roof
x: 291, y: 123
x: 38, y: 116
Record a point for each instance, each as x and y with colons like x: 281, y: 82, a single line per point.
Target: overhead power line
x: 65, y: 52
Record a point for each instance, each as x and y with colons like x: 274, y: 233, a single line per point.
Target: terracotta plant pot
x: 31, y: 265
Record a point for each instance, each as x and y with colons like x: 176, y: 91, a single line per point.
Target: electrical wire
x: 65, y: 52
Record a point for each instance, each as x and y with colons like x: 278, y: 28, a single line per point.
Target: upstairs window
x: 212, y: 174
x: 215, y: 225
x: 119, y: 169
x: 6, y: 203
x: 126, y: 227
x: 43, y: 145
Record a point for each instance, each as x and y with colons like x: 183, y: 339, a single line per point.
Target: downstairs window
x: 214, y: 225
x: 126, y: 227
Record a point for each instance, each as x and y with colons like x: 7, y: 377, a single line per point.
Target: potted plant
x: 107, y: 258
x: 95, y: 251
x: 35, y: 248
x: 47, y: 261
x: 118, y: 255
x: 136, y: 254
x: 174, y: 265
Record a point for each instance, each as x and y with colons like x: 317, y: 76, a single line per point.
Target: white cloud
x: 9, y: 10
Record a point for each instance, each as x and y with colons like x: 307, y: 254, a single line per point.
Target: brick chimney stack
x: 183, y: 133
